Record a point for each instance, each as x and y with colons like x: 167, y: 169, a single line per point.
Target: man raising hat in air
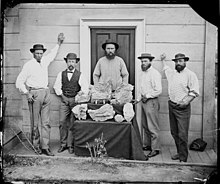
x: 34, y: 75
x: 150, y: 89
x: 110, y: 67
x: 183, y: 88
x: 68, y: 83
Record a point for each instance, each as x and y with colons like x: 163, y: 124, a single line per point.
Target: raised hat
x: 71, y: 56
x: 37, y: 47
x: 109, y: 41
x: 180, y: 56
x: 146, y: 55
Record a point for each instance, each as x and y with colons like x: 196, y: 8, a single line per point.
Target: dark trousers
x: 151, y: 122
x: 41, y: 115
x: 179, y: 127
x: 66, y: 122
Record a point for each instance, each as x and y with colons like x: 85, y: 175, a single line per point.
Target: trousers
x: 41, y: 115
x: 151, y: 123
x: 66, y: 120
x: 179, y: 127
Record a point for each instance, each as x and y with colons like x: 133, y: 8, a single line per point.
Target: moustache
x: 70, y: 67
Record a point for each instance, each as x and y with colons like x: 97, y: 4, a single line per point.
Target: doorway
x: 125, y: 37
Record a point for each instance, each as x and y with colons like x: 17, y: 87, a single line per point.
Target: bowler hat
x: 180, y: 56
x: 71, y: 56
x: 37, y: 47
x: 109, y: 41
x: 146, y: 55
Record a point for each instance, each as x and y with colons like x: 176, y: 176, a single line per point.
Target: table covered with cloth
x: 123, y: 139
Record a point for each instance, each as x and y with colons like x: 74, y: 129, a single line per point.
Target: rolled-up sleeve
x: 51, y: 55
x: 58, y: 84
x: 96, y: 73
x: 193, y: 85
x: 157, y: 86
x: 124, y: 72
x: 84, y: 84
x: 21, y: 79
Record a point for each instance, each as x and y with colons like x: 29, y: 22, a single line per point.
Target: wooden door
x: 125, y: 37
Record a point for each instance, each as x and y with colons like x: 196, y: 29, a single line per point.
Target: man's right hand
x: 30, y: 97
x: 163, y: 57
x: 64, y: 99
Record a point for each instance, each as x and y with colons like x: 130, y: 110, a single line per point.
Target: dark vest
x: 70, y: 87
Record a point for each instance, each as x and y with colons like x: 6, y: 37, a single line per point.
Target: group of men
x: 183, y: 87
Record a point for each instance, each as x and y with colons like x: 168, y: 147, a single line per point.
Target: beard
x: 70, y: 67
x: 110, y: 55
x: 145, y: 67
x: 179, y: 68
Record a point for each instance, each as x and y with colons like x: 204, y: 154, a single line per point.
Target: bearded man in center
x: 110, y: 67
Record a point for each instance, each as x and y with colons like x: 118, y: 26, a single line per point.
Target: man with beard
x: 33, y: 82
x: 68, y: 84
x: 183, y: 87
x: 150, y: 89
x: 110, y: 67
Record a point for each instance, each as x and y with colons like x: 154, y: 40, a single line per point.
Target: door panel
x: 125, y: 37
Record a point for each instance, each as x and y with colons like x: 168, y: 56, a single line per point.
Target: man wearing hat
x: 33, y: 81
x: 110, y: 67
x: 183, y: 88
x: 68, y: 83
x: 150, y: 89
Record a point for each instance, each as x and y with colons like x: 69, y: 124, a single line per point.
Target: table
x: 123, y: 139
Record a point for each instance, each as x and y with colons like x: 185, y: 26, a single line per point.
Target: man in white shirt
x: 33, y: 81
x: 68, y: 84
x: 150, y: 89
x: 110, y: 67
x: 183, y: 87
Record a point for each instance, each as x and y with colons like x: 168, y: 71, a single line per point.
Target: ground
x: 81, y: 170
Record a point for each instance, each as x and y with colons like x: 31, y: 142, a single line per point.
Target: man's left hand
x: 60, y: 38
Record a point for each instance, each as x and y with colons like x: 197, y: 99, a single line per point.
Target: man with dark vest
x: 68, y: 84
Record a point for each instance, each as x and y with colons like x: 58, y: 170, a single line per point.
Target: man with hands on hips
x: 183, y: 88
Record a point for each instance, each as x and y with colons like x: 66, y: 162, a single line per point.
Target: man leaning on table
x: 68, y: 84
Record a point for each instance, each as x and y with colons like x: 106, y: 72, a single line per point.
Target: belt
x: 174, y: 103
x: 32, y: 88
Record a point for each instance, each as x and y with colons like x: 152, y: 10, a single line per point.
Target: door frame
x: 85, y: 40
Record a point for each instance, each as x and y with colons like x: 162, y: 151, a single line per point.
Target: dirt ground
x: 41, y: 169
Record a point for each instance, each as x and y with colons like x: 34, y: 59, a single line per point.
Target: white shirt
x: 34, y: 74
x: 82, y: 82
x: 150, y: 84
x: 182, y: 84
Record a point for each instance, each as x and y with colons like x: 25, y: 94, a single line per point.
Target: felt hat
x: 37, y: 47
x: 180, y: 56
x: 71, y: 56
x: 109, y: 41
x: 146, y: 55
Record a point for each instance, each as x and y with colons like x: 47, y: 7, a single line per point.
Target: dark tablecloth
x: 123, y: 139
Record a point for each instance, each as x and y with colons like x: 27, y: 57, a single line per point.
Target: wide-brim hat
x: 37, y: 47
x: 109, y: 41
x: 180, y: 56
x: 71, y: 56
x: 146, y: 55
